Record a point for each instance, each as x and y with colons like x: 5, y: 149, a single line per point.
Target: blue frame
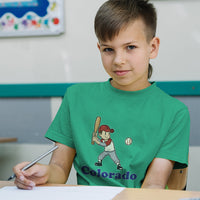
x: 19, y: 9
x: 174, y: 88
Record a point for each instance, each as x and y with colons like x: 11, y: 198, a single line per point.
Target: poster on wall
x: 31, y: 17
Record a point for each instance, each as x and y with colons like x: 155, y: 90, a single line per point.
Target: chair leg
x: 185, y: 187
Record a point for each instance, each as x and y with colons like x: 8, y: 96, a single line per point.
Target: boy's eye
x: 107, y: 50
x: 130, y: 47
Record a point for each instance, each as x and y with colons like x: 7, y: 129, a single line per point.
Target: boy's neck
x: 131, y: 87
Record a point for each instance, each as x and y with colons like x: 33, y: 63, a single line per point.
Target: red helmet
x: 105, y: 128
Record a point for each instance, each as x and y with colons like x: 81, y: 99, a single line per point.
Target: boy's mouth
x: 121, y: 72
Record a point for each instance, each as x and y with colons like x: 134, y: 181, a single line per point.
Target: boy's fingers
x: 17, y: 169
x: 24, y: 184
x: 21, y: 180
x: 37, y: 174
x: 34, y: 171
x: 28, y: 172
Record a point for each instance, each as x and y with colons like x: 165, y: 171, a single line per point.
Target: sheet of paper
x: 53, y: 193
x: 190, y: 199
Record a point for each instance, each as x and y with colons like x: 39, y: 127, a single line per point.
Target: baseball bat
x: 96, y: 126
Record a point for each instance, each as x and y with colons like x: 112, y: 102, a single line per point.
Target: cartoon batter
x: 107, y: 143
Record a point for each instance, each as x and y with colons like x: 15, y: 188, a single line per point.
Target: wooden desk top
x: 3, y: 140
x: 138, y: 194
x: 155, y: 194
x: 6, y: 183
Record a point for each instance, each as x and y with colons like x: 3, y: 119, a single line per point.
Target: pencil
x: 34, y: 161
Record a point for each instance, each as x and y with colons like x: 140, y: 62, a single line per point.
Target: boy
x: 152, y: 128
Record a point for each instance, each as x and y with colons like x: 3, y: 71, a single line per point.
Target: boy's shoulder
x: 170, y: 100
x: 85, y: 87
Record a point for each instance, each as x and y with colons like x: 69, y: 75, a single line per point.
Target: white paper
x: 190, y: 199
x: 54, y: 193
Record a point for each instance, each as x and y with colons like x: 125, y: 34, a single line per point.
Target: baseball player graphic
x: 107, y: 143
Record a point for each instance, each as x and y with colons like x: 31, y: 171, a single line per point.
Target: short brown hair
x: 114, y: 15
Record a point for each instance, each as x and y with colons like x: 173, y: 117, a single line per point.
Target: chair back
x: 178, y: 179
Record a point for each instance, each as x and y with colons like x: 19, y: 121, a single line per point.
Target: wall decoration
x: 31, y: 17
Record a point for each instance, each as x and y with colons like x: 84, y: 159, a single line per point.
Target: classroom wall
x: 74, y: 57
x: 179, y: 32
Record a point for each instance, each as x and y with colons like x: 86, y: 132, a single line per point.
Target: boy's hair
x: 114, y: 15
x: 105, y: 128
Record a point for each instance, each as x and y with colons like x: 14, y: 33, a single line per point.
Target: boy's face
x: 126, y: 57
x: 104, y: 135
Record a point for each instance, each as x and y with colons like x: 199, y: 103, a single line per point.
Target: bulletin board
x: 31, y: 17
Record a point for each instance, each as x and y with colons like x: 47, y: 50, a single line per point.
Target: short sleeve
x: 60, y: 128
x: 176, y: 144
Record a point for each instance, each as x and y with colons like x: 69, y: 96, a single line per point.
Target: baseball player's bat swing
x: 96, y: 126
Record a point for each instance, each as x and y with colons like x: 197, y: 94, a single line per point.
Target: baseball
x: 128, y: 141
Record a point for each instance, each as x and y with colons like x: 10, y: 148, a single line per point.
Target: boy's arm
x: 98, y: 141
x: 158, y: 173
x: 61, y: 163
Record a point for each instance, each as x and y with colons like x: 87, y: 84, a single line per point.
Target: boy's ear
x: 98, y: 45
x: 155, y: 43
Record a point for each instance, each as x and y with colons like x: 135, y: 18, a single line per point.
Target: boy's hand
x: 35, y: 175
x: 95, y: 139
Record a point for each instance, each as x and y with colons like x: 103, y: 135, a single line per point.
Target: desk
x: 3, y: 140
x: 138, y: 194
x: 155, y: 194
x: 6, y: 183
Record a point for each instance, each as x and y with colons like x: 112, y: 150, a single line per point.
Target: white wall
x: 179, y: 31
x: 193, y: 169
x: 73, y: 56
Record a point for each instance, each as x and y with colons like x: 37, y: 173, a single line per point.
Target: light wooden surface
x: 4, y: 140
x: 155, y: 194
x: 6, y: 183
x: 138, y: 194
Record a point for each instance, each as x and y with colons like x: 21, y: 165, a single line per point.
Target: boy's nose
x: 119, y: 58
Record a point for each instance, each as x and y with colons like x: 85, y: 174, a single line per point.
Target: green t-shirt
x: 135, y: 128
